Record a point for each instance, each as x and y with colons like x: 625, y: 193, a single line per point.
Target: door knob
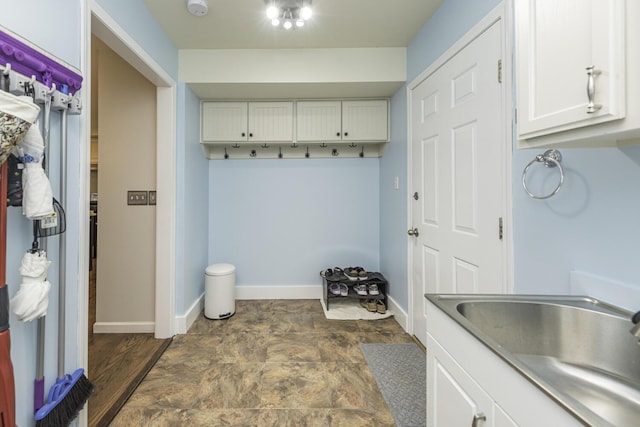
x: 413, y: 232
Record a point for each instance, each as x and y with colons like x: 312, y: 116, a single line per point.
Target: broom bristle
x: 67, y: 408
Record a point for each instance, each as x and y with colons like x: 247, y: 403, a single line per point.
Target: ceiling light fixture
x: 288, y: 12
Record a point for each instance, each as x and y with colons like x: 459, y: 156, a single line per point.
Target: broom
x: 70, y: 392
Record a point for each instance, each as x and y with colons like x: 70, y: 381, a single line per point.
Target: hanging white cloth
x: 37, y: 201
x: 32, y: 299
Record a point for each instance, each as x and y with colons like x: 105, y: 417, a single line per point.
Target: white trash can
x: 220, y: 291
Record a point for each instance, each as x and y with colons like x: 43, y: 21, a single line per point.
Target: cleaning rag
x: 32, y: 299
x: 37, y: 201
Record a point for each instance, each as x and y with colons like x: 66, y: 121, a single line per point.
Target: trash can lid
x: 220, y: 269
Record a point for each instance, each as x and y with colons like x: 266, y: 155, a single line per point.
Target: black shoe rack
x: 372, y: 278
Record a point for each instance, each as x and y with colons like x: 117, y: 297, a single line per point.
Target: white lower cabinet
x: 454, y: 398
x: 468, y: 385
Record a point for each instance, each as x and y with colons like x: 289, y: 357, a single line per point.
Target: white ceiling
x: 242, y: 24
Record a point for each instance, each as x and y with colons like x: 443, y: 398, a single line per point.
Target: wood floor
x: 117, y: 364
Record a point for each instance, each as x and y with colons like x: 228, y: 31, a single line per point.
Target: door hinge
x: 500, y: 228
x: 499, y: 70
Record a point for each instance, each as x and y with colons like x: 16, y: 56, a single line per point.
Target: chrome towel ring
x: 551, y: 159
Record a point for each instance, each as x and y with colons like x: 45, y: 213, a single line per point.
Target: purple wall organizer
x: 31, y: 61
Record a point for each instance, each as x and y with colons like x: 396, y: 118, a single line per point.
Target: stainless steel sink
x: 578, y: 350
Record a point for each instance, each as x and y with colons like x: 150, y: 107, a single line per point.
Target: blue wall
x: 192, y: 204
x: 452, y: 20
x: 591, y: 225
x: 282, y: 221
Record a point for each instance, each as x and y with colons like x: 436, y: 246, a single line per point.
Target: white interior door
x: 458, y: 177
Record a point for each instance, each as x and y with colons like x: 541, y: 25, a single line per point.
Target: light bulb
x: 275, y: 22
x: 287, y: 25
x: 305, y: 12
x: 299, y: 23
x: 272, y: 12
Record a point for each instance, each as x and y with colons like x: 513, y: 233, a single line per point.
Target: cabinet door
x: 501, y: 419
x: 270, y: 121
x: 555, y: 43
x: 224, y: 121
x: 453, y: 397
x: 365, y: 120
x: 318, y: 121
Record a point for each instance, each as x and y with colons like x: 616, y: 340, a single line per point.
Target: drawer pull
x: 592, y: 107
x: 477, y: 418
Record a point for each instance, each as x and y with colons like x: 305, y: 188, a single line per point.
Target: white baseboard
x: 399, y: 314
x: 124, y: 327
x: 184, y: 322
x: 279, y: 292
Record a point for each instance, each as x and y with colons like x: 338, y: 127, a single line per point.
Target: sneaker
x: 380, y: 307
x: 344, y: 290
x: 334, y: 288
x: 373, y: 290
x: 351, y: 273
x: 360, y: 289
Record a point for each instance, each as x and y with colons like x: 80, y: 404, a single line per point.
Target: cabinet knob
x: 337, y: 133
x: 477, y: 418
x: 244, y: 134
x: 346, y: 134
x: 250, y: 134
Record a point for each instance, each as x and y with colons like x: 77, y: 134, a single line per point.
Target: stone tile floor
x: 274, y: 363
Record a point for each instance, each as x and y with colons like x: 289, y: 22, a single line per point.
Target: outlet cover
x: 137, y: 198
x: 152, y: 197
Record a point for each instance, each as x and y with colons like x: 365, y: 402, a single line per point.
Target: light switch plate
x: 137, y: 198
x: 152, y: 197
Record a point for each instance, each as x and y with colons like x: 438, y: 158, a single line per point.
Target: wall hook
x: 294, y: 145
x: 265, y: 145
x: 352, y: 145
x: 280, y: 153
x: 334, y: 152
x: 226, y: 155
x: 362, y: 152
x: 236, y: 145
x: 323, y: 145
x: 253, y: 153
x: 307, y: 153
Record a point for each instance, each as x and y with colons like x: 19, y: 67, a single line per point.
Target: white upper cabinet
x: 576, y: 67
x: 326, y: 128
x: 270, y: 121
x: 365, y: 120
x: 224, y: 121
x: 330, y: 121
x: 319, y: 121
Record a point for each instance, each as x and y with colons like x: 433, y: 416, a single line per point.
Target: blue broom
x: 70, y: 392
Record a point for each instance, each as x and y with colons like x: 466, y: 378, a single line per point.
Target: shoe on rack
x: 369, y: 304
x: 360, y: 289
x: 373, y: 289
x: 351, y: 273
x: 344, y: 290
x: 380, y: 307
x: 334, y: 288
x: 362, y: 274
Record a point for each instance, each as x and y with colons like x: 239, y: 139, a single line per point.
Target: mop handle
x: 62, y: 255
